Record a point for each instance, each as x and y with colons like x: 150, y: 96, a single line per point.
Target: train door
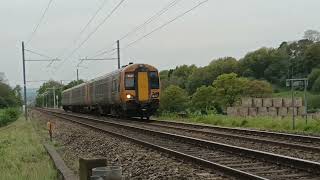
x: 143, y: 86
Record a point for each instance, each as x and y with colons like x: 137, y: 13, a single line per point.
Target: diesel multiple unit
x: 133, y: 90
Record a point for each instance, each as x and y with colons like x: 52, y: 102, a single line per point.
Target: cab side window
x: 129, y: 81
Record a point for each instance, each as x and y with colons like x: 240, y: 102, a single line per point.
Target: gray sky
x: 215, y: 29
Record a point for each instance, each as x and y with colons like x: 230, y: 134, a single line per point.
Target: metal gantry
x: 51, y: 60
x: 298, y: 82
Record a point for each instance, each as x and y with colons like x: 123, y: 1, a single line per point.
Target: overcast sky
x: 215, y: 29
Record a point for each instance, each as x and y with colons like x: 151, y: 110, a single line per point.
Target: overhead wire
x: 137, y: 28
x: 38, y: 24
x: 86, y: 26
x: 91, y: 33
x: 165, y: 24
x: 152, y: 18
x: 37, y: 53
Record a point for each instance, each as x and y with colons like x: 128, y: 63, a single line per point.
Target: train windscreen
x: 154, y: 80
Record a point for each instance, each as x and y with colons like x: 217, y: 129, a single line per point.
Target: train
x: 131, y: 91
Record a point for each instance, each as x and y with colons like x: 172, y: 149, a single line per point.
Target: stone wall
x: 267, y: 107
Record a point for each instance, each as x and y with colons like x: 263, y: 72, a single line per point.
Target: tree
x: 312, y: 35
x: 316, y: 86
x: 198, y: 78
x: 17, y: 91
x: 312, y: 57
x: 313, y: 76
x: 73, y: 83
x: 203, y: 99
x: 258, y: 89
x: 174, y: 99
x: 47, y: 88
x: 7, y: 96
x: 228, y: 88
x: 224, y: 65
x: 3, y: 103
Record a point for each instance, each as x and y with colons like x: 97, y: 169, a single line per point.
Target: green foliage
x: 206, y: 75
x: 258, y: 89
x: 198, y: 78
x: 73, y: 83
x: 312, y: 57
x: 9, y: 97
x: 228, y: 88
x: 203, y: 100
x: 263, y: 123
x: 313, y: 102
x: 8, y: 115
x: 174, y: 99
x: 313, y: 76
x: 316, y: 86
x: 22, y: 155
x: 312, y: 99
x: 46, y: 89
x: 178, y: 76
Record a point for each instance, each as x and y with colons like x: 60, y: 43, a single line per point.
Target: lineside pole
x: 54, y: 97
x: 118, y: 51
x: 77, y: 74
x: 305, y: 100
x: 24, y: 83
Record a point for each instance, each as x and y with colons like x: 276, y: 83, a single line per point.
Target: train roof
x: 123, y: 68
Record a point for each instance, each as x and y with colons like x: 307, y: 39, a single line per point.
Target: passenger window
x: 129, y: 81
x: 154, y: 80
x: 114, y: 85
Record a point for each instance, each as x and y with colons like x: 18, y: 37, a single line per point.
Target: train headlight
x: 129, y: 96
x: 155, y: 95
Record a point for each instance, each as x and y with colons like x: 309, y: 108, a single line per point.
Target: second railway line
x: 298, y: 146
x: 256, y: 163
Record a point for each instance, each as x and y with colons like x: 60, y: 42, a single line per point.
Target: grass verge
x: 264, y: 123
x: 22, y: 155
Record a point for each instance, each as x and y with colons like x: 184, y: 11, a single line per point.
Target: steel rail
x: 305, y: 138
x: 305, y: 165
x: 242, y: 137
x: 225, y: 169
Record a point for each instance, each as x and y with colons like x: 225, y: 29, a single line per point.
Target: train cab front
x: 141, y: 90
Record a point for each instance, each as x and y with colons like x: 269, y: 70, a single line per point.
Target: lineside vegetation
x: 262, y: 123
x: 22, y: 154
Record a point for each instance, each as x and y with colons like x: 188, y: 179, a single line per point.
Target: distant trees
x: 313, y: 76
x: 224, y: 80
x: 316, y: 86
x: 47, y: 88
x: 73, y: 83
x: 225, y: 91
x: 10, y: 97
x: 312, y: 35
x: 312, y: 57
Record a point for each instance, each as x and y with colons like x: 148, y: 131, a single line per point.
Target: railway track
x: 298, y: 146
x: 236, y: 161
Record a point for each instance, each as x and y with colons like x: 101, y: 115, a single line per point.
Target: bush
x: 203, y: 100
x: 8, y: 115
x: 313, y: 102
x: 313, y: 76
x: 316, y: 85
x: 174, y: 99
